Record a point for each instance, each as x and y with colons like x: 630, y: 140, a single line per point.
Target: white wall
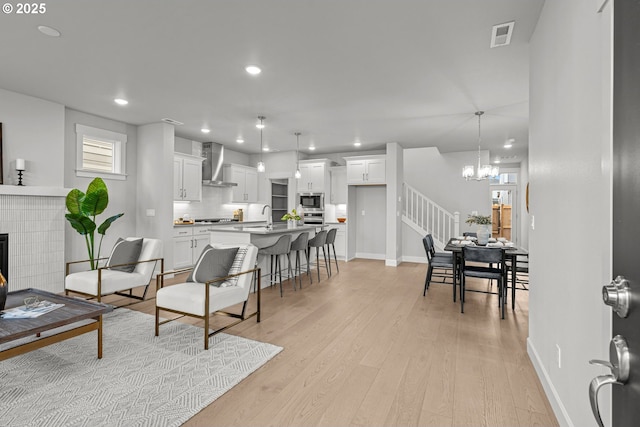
x: 569, y: 198
x: 122, y: 194
x: 32, y: 129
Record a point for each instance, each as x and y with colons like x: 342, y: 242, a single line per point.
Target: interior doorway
x: 504, y: 199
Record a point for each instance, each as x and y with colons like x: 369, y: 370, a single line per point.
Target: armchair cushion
x: 212, y: 264
x: 125, y: 252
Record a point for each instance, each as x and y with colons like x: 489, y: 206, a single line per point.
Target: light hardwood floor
x: 365, y: 348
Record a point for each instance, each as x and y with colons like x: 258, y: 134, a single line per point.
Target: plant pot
x: 292, y: 223
x: 484, y: 232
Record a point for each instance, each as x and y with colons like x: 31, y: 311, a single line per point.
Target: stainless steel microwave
x: 311, y: 201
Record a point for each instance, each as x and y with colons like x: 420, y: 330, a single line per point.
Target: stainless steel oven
x: 311, y: 202
x: 313, y: 217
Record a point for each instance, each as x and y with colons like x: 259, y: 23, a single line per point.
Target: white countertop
x: 262, y: 230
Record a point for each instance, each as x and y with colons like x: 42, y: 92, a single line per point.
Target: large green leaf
x: 82, y: 224
x: 107, y: 223
x: 74, y: 201
x: 95, y: 202
x: 95, y: 185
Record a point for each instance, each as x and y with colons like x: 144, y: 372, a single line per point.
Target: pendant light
x: 484, y: 171
x: 298, y: 175
x: 261, y: 167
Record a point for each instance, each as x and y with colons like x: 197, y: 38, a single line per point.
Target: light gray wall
x: 370, y: 227
x: 122, y: 194
x: 394, y: 175
x: 570, y: 200
x: 439, y: 177
x: 155, y: 184
x: 525, y: 218
x: 32, y: 129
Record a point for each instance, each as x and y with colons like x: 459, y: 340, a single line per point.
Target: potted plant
x: 484, y: 227
x: 292, y: 218
x: 83, y: 209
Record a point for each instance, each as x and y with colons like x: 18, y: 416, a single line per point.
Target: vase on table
x: 484, y: 232
x: 292, y: 223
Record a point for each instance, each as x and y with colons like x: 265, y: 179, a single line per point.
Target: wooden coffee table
x: 74, y: 311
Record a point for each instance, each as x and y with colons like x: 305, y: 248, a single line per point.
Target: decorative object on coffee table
x: 83, y: 209
x: 20, y: 168
x: 3, y: 291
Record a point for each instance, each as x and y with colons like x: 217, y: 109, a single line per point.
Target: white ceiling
x: 378, y: 71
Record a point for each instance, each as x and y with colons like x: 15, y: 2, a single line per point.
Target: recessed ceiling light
x: 260, y: 125
x: 51, y: 32
x: 205, y: 130
x: 357, y: 144
x: 509, y: 143
x: 311, y: 148
x: 253, y: 70
x: 239, y: 140
x: 121, y: 101
x: 265, y: 149
x: 496, y: 161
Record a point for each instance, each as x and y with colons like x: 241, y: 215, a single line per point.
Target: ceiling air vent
x: 172, y: 122
x: 501, y: 34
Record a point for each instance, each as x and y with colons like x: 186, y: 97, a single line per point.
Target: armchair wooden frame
x: 207, y: 315
x: 119, y: 293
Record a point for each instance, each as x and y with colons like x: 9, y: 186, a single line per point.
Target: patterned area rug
x: 142, y: 380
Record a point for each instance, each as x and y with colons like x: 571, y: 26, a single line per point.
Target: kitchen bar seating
x: 301, y: 244
x: 331, y: 239
x: 281, y: 247
x: 317, y: 242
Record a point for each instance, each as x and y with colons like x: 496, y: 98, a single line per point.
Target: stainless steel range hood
x: 212, y: 165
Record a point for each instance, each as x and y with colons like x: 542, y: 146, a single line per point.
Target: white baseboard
x: 416, y: 259
x: 367, y: 255
x: 554, y: 399
x: 392, y: 262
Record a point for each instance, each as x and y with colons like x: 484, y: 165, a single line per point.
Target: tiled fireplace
x: 35, y: 225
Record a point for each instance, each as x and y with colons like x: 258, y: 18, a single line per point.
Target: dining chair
x: 521, y: 273
x: 486, y: 257
x: 443, y: 262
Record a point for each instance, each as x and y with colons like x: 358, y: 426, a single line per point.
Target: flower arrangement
x: 478, y: 219
x: 291, y: 216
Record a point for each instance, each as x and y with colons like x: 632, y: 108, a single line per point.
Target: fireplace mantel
x: 16, y: 190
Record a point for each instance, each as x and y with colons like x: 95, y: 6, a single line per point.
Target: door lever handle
x: 594, y: 387
x: 619, y: 367
x: 601, y: 363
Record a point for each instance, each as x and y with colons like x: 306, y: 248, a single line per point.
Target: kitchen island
x: 260, y: 236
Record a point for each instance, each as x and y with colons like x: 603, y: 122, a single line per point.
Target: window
x: 100, y: 153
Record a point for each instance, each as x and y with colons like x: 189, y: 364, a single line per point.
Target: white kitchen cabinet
x: 341, y: 240
x: 188, y: 243
x: 314, y: 176
x: 338, y: 185
x: 366, y: 170
x: 187, y: 177
x: 247, y: 179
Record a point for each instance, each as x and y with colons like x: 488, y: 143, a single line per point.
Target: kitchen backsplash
x: 215, y: 204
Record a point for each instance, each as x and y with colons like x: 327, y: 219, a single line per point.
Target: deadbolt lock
x: 616, y: 295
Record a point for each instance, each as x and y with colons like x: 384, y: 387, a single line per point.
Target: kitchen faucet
x: 269, y: 219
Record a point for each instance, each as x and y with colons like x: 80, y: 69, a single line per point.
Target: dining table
x: 511, y: 253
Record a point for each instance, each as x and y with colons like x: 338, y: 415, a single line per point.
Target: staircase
x: 425, y: 216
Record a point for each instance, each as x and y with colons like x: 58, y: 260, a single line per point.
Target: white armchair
x: 110, y: 280
x: 200, y: 300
